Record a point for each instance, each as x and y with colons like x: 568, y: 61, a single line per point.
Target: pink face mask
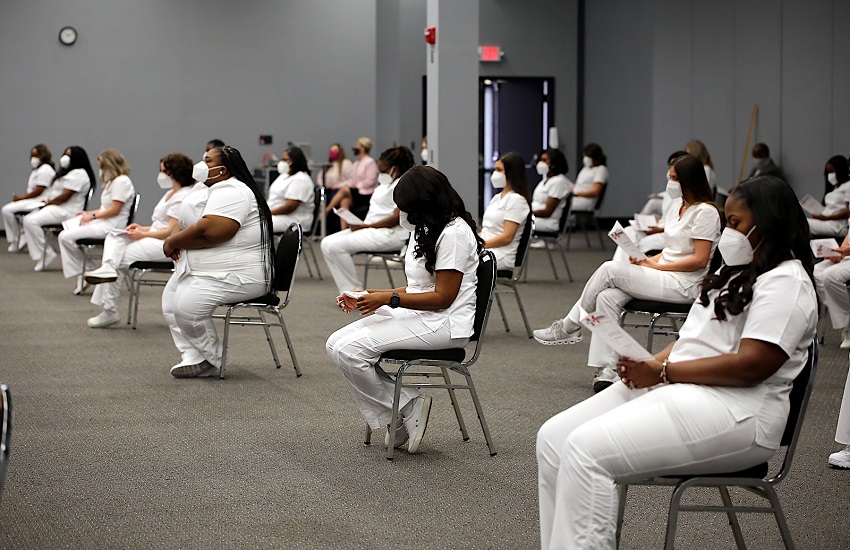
x: 334, y: 155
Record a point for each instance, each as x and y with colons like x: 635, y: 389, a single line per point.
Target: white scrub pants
x: 10, y: 221
x: 831, y: 284
x: 546, y: 224
x: 34, y: 221
x: 612, y: 286
x: 118, y: 253
x: 188, y: 305
x: 831, y: 228
x: 72, y: 255
x: 338, y: 250
x: 357, y: 347
x: 622, y: 435
x: 842, y: 431
x: 281, y: 221
x: 644, y: 242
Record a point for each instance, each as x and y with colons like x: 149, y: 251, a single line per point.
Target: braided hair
x: 400, y: 158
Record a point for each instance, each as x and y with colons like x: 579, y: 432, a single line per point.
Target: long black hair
x: 232, y: 159
x: 515, y: 174
x: 430, y: 202
x: 557, y: 161
x: 842, y: 173
x: 785, y: 235
x: 400, y: 158
x: 594, y: 151
x: 691, y: 176
x: 79, y: 159
x: 299, y: 161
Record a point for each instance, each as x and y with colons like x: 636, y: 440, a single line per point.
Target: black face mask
x: 356, y: 151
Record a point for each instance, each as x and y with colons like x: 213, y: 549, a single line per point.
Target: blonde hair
x: 697, y: 148
x: 113, y: 164
x: 366, y: 143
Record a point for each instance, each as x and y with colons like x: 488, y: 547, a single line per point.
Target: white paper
x: 346, y: 215
x: 644, y: 221
x: 355, y: 294
x: 71, y: 223
x: 823, y: 248
x: 117, y: 231
x: 623, y: 241
x: 615, y: 336
x: 811, y: 205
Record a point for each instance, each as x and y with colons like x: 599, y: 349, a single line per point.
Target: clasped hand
x: 646, y: 262
x: 366, y: 303
x: 639, y: 374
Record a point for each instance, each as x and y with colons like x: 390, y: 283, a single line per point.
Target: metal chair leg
x: 551, y: 261
x: 564, y: 257
x: 733, y: 519
x: 224, y: 343
x: 502, y: 311
x: 622, y: 493
x: 480, y: 412
x: 455, y: 405
x: 289, y: 344
x: 389, y: 272
x: 522, y: 311
x: 396, y: 396
x: 367, y: 439
x: 269, y: 337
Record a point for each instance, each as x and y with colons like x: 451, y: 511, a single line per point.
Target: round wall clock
x: 68, y: 35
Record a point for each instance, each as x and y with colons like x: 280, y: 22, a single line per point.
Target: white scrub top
x: 76, y: 180
x: 783, y: 311
x: 556, y: 187
x: 700, y: 221
x: 836, y: 200
x: 585, y: 181
x: 168, y: 207
x: 510, y: 207
x: 296, y: 187
x: 457, y: 250
x: 41, y: 177
x: 382, y: 205
x: 243, y: 254
x: 119, y: 189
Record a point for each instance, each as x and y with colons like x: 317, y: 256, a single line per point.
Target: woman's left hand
x: 637, y: 375
x: 170, y: 251
x: 646, y: 262
x: 372, y: 301
x: 86, y: 217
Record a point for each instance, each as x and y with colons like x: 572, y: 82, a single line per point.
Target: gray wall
x: 158, y: 76
x: 709, y: 62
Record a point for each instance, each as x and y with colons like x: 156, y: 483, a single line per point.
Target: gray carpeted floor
x: 110, y: 451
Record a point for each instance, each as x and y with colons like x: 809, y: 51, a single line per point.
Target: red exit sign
x: 490, y: 54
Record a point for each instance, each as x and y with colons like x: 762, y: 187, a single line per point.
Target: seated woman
x: 67, y: 195
x: 291, y: 195
x: 355, y: 193
x: 832, y: 222
x: 715, y: 400
x: 671, y: 276
x: 224, y: 252
x: 116, y: 202
x: 435, y: 310
x: 339, y: 171
x: 831, y: 277
x: 504, y: 219
x: 549, y: 198
x: 381, y: 231
x: 140, y: 243
x: 37, y: 192
x: 592, y: 178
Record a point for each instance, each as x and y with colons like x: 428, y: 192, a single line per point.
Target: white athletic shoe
x: 48, y: 258
x: 198, y: 370
x: 13, y: 248
x: 845, y: 338
x: 401, y: 436
x: 840, y: 459
x: 603, y: 378
x: 557, y: 334
x: 416, y: 423
x: 100, y: 275
x: 104, y: 319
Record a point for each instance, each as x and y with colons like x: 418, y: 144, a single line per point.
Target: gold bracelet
x: 664, y: 379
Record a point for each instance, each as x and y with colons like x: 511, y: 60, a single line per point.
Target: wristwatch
x: 394, y: 300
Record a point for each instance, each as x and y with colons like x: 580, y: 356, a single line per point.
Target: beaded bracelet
x: 664, y: 379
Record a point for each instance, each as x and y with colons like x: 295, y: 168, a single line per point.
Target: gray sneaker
x: 401, y: 435
x: 840, y: 459
x: 198, y: 370
x: 603, y: 378
x: 557, y: 334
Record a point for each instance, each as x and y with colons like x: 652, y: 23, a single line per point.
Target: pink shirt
x: 364, y: 175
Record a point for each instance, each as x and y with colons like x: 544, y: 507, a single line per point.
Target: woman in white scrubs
x: 140, y: 243
x: 66, y: 198
x: 292, y: 194
x: 38, y: 187
x: 672, y: 276
x: 550, y: 195
x: 715, y: 400
x: 592, y: 178
x: 504, y: 219
x: 435, y: 310
x: 380, y: 231
x: 832, y: 222
x: 116, y: 202
x: 698, y: 149
x: 224, y: 250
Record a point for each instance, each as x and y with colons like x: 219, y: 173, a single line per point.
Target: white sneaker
x: 198, y: 370
x: 557, y: 334
x: 13, y: 248
x: 840, y: 459
x: 103, y: 274
x: 104, y: 319
x: 48, y: 258
x: 416, y: 423
x: 401, y: 435
x: 79, y: 286
x: 603, y: 378
x: 845, y: 338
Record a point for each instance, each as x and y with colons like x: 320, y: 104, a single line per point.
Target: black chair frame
x: 508, y: 278
x: 585, y: 218
x: 557, y: 238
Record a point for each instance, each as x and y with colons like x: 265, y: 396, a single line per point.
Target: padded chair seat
x: 90, y: 242
x: 271, y: 299
x: 654, y: 306
x: 553, y: 234
x: 454, y: 354
x: 505, y: 273
x: 757, y: 471
x: 152, y: 265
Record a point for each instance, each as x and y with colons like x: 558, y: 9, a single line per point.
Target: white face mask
x: 542, y: 168
x: 164, y: 180
x: 424, y: 155
x: 735, y: 247
x: 64, y: 161
x: 674, y: 189
x: 384, y: 178
x: 499, y: 180
x: 201, y: 172
x: 35, y: 162
x: 403, y: 221
x: 283, y: 168
x: 832, y: 178
x: 588, y: 162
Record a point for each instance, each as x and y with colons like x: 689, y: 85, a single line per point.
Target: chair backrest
x: 286, y: 259
x: 5, y: 431
x: 600, y: 198
x: 89, y: 195
x: 131, y: 217
x: 799, y: 401
x: 318, y: 201
x: 565, y: 213
x: 483, y: 293
x: 524, y: 245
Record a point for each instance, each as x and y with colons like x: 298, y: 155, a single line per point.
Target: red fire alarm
x: 431, y: 35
